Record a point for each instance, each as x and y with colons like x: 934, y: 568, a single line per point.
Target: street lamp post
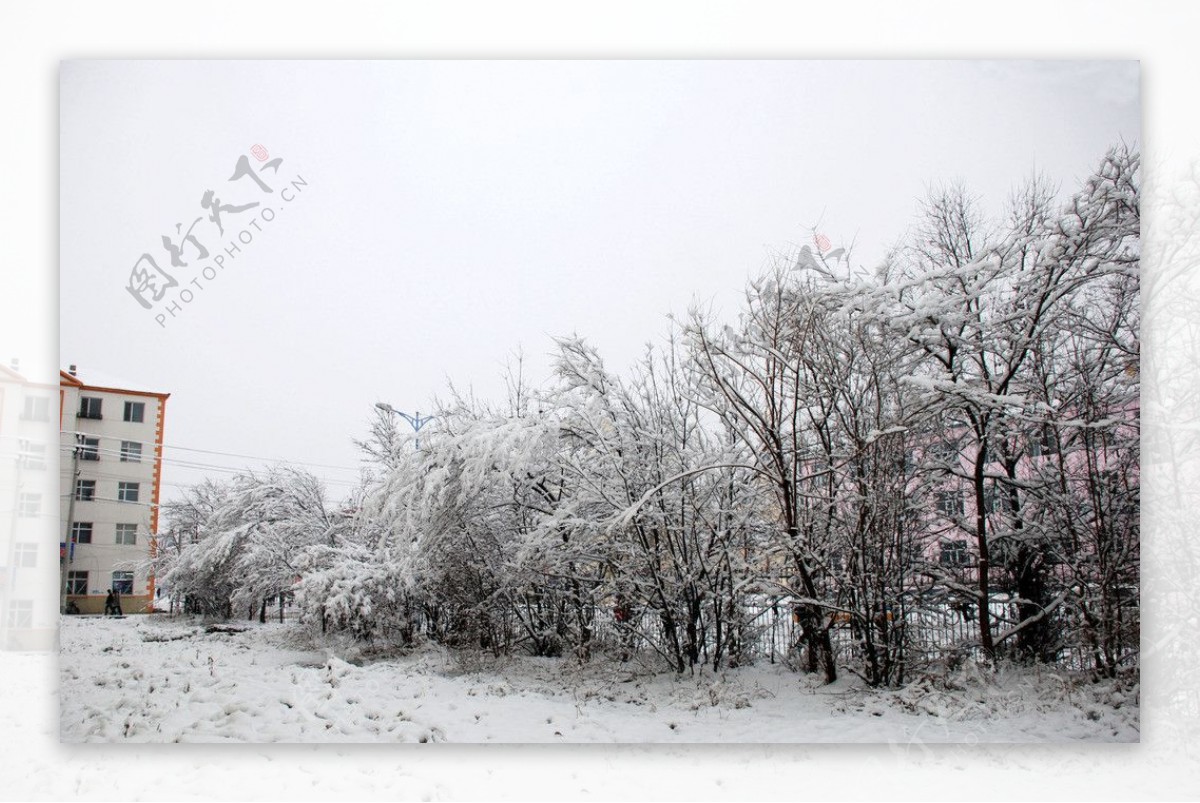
x: 416, y: 421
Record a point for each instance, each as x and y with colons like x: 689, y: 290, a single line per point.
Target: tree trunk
x: 981, y: 539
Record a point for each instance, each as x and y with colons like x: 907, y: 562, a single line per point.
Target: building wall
x: 109, y: 506
x: 952, y: 512
x: 28, y: 513
x: 941, y: 519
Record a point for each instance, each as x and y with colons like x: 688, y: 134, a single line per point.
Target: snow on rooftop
x: 103, y: 379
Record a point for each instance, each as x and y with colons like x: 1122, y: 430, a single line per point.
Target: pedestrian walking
x: 108, y: 603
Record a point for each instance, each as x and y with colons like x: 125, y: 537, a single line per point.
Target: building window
x: 131, y: 452
x: 30, y: 505
x: 912, y: 553
x: 954, y: 553
x: 944, y: 452
x: 995, y: 500
x: 89, y: 407
x: 20, y: 614
x: 127, y: 491
x: 127, y: 534
x: 88, y: 448
x: 25, y: 555
x: 81, y: 532
x: 37, y: 408
x: 33, y: 455
x: 135, y: 411
x: 77, y: 582
x: 1119, y: 495
x: 1004, y: 500
x: 85, y: 490
x: 1042, y: 442
x: 950, y: 503
x: 122, y: 582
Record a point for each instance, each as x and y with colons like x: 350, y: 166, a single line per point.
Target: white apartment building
x: 110, y: 467
x: 28, y: 513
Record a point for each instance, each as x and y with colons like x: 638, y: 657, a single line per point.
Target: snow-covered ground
x: 158, y: 679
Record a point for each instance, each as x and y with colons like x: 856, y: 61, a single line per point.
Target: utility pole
x: 69, y: 553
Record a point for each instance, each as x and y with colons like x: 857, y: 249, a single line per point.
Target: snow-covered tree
x: 757, y: 380
x: 252, y: 538
x: 984, y: 303
x: 470, y: 516
x: 812, y: 455
x: 657, y: 494
x: 185, y: 522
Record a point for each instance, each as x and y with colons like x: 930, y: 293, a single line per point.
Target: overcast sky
x: 445, y: 215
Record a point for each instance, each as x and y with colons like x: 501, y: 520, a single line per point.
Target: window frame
x: 119, y: 585
x: 25, y: 554
x: 943, y: 508
x: 130, y: 408
x: 996, y: 499
x: 91, y: 408
x: 79, y: 528
x: 1043, y: 442
x: 944, y: 450
x: 33, y: 454
x: 74, y: 576
x: 129, y: 455
x: 85, y: 490
x: 124, y: 489
x: 36, y: 408
x: 955, y: 552
x: 122, y: 529
x: 87, y: 448
x: 19, y: 614
x: 29, y: 505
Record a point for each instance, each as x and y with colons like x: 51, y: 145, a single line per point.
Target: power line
x: 225, y: 454
x: 110, y: 499
x: 177, y: 463
x: 268, y: 459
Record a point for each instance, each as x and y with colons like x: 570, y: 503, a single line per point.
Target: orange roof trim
x: 63, y: 376
x: 74, y: 380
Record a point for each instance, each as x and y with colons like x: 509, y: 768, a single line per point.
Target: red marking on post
x: 260, y: 153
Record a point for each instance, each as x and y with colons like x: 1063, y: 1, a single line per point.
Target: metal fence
x: 932, y: 632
